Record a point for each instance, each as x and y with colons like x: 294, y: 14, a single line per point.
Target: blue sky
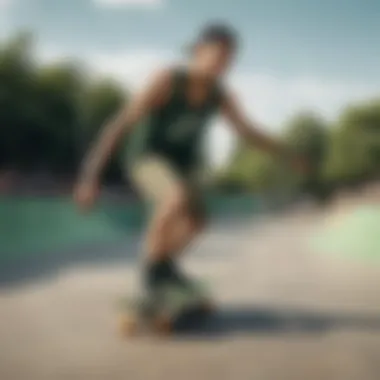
x: 296, y: 53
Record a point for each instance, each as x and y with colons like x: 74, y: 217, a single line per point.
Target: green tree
x: 58, y: 117
x: 49, y: 113
x: 307, y: 136
x: 253, y: 170
x: 354, y: 148
x: 250, y: 170
x: 17, y: 78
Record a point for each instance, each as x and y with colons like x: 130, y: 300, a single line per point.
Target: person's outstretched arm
x: 251, y: 132
x: 138, y: 107
x: 86, y: 189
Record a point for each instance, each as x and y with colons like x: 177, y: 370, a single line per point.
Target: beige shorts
x: 156, y: 178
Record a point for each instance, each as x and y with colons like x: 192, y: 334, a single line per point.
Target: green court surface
x: 355, y: 234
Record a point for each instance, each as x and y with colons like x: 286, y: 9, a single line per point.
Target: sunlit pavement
x: 285, y: 313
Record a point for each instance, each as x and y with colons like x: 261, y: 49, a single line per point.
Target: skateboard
x: 163, y: 313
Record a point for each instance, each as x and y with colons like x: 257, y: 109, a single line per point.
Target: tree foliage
x: 341, y: 153
x: 49, y: 113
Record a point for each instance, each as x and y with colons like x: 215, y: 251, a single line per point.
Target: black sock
x: 157, y: 271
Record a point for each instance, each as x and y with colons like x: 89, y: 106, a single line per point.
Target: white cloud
x: 267, y: 98
x: 4, y: 4
x: 129, y: 3
x: 132, y: 68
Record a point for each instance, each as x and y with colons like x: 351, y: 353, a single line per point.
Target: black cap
x: 218, y: 33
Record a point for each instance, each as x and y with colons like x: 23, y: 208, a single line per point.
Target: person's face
x: 213, y: 59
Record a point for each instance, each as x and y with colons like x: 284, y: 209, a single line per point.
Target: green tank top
x: 175, y: 131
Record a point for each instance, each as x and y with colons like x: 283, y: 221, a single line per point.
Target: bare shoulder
x: 160, y: 85
x: 162, y: 76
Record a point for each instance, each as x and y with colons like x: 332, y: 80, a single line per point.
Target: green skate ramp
x: 35, y: 225
x: 29, y: 225
x: 355, y: 234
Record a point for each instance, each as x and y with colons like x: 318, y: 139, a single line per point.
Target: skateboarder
x: 165, y: 124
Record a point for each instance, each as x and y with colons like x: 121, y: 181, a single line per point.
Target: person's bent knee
x: 174, y: 203
x: 179, y: 200
x: 198, y: 224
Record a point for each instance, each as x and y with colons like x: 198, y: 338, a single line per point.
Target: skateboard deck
x: 164, y: 314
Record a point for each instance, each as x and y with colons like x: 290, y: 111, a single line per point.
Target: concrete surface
x: 285, y: 313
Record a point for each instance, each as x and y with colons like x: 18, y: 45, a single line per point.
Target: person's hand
x: 85, y: 194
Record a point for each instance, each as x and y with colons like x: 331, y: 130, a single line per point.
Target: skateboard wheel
x: 208, y: 307
x: 163, y: 325
x: 128, y: 326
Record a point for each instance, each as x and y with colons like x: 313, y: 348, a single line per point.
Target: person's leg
x: 174, y: 222
x: 189, y: 225
x: 167, y: 225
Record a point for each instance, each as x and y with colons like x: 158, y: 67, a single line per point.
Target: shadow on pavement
x: 45, y: 265
x: 245, y: 320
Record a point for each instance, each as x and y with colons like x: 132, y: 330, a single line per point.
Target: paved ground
x: 285, y: 313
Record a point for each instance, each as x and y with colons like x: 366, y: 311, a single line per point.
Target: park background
x: 309, y: 72
x: 51, y: 112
